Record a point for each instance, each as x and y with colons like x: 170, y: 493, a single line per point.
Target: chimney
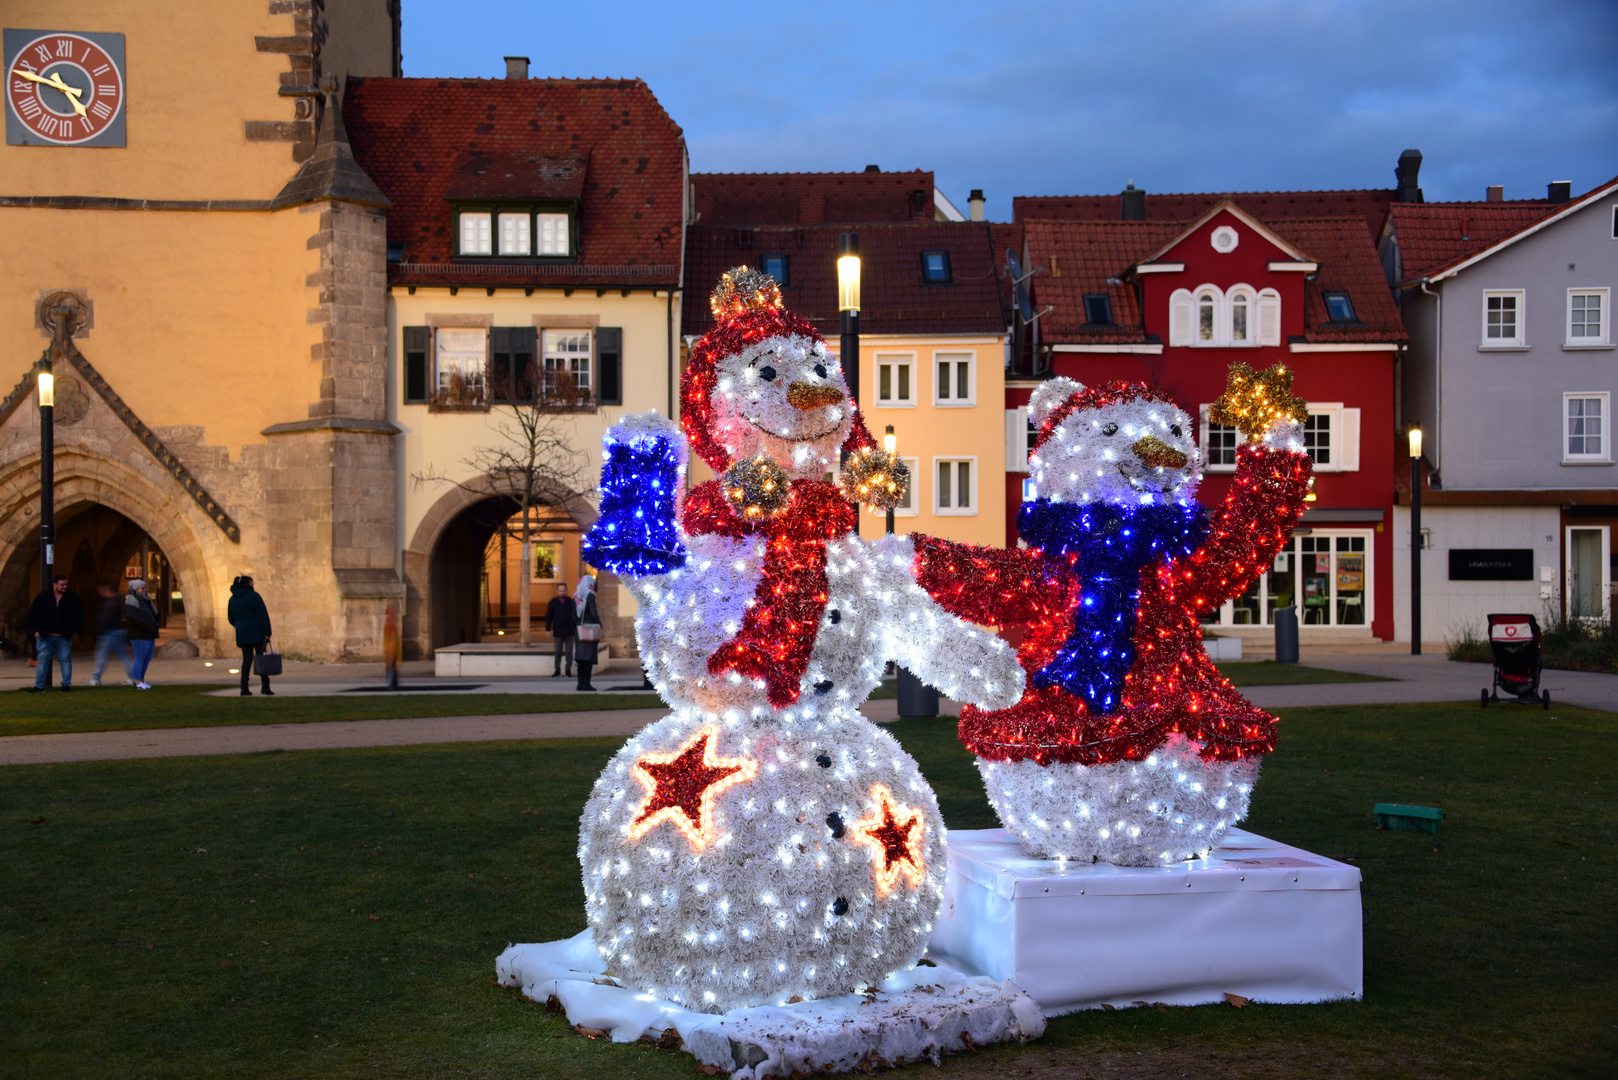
x: 974, y: 205
x: 873, y: 168
x: 1496, y: 193
x: 516, y: 67
x: 1408, y: 172
x: 1559, y: 191
x: 1132, y: 203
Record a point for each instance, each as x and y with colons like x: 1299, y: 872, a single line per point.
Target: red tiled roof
x: 1371, y: 205
x: 812, y: 198
x: 1092, y: 257
x: 892, y: 296
x: 1433, y: 235
x: 605, y: 142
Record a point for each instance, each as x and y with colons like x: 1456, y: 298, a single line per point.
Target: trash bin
x: 916, y: 698
x: 1286, y: 635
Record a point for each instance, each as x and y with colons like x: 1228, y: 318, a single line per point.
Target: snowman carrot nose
x: 806, y: 396
x: 1155, y: 452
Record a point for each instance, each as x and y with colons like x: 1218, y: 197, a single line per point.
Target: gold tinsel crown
x: 742, y: 289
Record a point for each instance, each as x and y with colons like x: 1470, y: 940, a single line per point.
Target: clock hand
x: 55, y: 82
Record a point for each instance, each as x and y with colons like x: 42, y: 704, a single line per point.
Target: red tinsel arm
x: 1249, y: 528
x: 988, y: 585
x: 706, y: 510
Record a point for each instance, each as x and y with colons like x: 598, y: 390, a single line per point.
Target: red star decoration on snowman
x: 681, y: 787
x: 895, y: 840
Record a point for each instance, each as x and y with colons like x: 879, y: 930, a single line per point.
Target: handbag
x: 590, y: 631
x: 267, y: 663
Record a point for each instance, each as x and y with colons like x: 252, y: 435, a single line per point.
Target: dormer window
x: 776, y: 267
x: 1339, y: 308
x: 514, y: 232
x: 935, y: 267
x: 1098, y: 310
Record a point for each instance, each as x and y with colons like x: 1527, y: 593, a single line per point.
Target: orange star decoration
x: 1254, y: 400
x: 895, y: 840
x: 681, y: 787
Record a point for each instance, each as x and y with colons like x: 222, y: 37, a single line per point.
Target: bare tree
x: 532, y: 462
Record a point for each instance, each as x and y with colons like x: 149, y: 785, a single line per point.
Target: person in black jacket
x: 562, y: 620
x: 141, y: 624
x: 53, y: 619
x: 251, y: 619
x: 585, y: 653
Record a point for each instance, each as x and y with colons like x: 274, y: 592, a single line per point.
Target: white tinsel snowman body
x: 1128, y: 746
x: 765, y: 841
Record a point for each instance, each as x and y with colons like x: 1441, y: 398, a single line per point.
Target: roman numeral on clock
x: 99, y: 70
x: 44, y: 53
x: 29, y: 107
x: 101, y: 109
x: 64, y: 47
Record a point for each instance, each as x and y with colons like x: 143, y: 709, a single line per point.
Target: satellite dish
x: 1019, y: 286
x: 1013, y: 265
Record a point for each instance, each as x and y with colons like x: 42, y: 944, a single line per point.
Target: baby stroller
x: 1515, y: 641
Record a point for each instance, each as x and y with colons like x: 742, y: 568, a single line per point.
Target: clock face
x: 64, y: 88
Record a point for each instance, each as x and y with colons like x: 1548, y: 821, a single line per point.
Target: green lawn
x: 337, y: 913
x: 1270, y: 673
x: 119, y: 708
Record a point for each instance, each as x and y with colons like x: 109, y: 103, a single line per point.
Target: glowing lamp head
x: 848, y: 272
x: 1415, y: 442
x: 47, y: 390
x: 890, y: 441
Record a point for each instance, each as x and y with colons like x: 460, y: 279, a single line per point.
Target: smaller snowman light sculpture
x: 764, y: 842
x: 1128, y: 747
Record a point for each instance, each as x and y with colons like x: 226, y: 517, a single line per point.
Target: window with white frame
x: 1210, y: 317
x: 1331, y: 435
x: 1219, y: 443
x: 1324, y: 575
x: 907, y: 507
x: 514, y: 234
x: 567, y: 365
x: 1584, y: 425
x: 460, y: 365
x: 555, y: 234
x: 955, y: 488
x: 476, y: 235
x: 1020, y: 435
x: 1502, y: 318
x: 1317, y: 438
x: 1587, y: 316
x: 895, y: 380
x: 956, y: 380
x: 518, y: 232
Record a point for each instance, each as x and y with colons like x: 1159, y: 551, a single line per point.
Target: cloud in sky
x: 1048, y: 98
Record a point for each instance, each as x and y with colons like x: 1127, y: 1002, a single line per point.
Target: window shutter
x: 417, y: 343
x: 1269, y: 319
x: 1017, y: 440
x: 1348, y: 444
x: 610, y: 365
x: 500, y: 364
x: 524, y: 341
x: 1180, y: 313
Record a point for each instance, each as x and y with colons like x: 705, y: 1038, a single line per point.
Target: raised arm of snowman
x: 756, y: 591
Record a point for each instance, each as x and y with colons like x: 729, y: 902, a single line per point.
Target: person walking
x: 251, y: 619
x: 562, y: 620
x: 586, y: 648
x: 140, y: 623
x: 110, y: 634
x: 55, y: 617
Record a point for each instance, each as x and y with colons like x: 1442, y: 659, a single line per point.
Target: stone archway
x: 452, y: 507
x: 85, y: 478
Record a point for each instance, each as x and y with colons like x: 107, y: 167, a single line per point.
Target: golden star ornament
x: 1254, y: 400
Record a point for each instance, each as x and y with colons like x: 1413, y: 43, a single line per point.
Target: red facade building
x: 1175, y: 303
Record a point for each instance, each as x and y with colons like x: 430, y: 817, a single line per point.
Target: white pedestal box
x: 1255, y: 918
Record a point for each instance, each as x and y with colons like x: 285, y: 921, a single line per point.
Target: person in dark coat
x: 562, y: 620
x: 55, y: 617
x: 586, y: 652
x: 251, y: 619
x: 141, y: 624
x: 110, y: 634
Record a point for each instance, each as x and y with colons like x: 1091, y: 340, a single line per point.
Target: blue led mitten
x: 637, y: 533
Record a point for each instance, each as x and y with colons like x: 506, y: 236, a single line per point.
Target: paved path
x: 1425, y: 678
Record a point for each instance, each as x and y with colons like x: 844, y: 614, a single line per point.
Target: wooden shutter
x: 1269, y: 318
x: 610, y: 365
x: 1348, y: 454
x: 1017, y: 440
x: 500, y: 364
x: 417, y: 343
x: 523, y: 342
x: 1181, y: 312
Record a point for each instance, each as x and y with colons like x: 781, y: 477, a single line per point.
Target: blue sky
x: 1080, y: 97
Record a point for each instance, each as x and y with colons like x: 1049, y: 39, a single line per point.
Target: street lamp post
x: 848, y: 305
x: 1415, y: 541
x: 890, y: 442
x: 47, y: 476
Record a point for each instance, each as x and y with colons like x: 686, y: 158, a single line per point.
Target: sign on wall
x: 64, y: 88
x: 1491, y: 564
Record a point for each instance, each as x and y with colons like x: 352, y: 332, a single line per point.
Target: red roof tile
x: 1348, y: 263
x: 1433, y: 235
x: 812, y: 198
x: 893, y: 298
x: 605, y: 142
x: 1371, y: 205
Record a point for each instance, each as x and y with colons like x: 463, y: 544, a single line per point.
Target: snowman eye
x: 1110, y: 429
x: 1174, y: 429
x: 767, y: 373
x: 820, y: 369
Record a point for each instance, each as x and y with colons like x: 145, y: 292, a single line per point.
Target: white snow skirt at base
x: 1255, y: 918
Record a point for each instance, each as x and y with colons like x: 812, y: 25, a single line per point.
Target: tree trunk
x: 525, y: 575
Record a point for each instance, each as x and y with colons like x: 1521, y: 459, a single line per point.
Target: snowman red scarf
x: 779, y: 629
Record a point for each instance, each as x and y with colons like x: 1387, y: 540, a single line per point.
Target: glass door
x: 1587, y: 564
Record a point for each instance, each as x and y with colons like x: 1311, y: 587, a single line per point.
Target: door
x: 1587, y: 572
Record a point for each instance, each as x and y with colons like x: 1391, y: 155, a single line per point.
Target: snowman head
x: 761, y: 383
x: 1119, y: 443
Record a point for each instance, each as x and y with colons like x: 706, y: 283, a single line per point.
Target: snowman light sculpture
x: 1128, y: 747
x: 764, y: 842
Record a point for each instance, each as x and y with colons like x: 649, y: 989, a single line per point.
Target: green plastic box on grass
x: 1396, y: 816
